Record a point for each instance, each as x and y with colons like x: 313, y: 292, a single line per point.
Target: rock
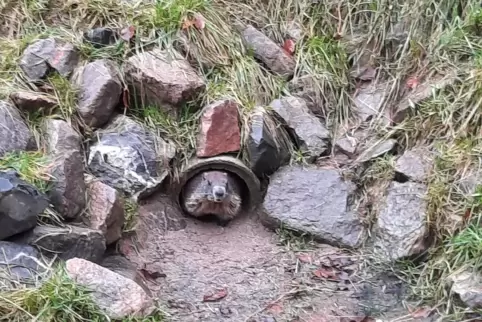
x: 100, y: 92
x: 117, y: 296
x: 422, y: 92
x: 105, y: 211
x: 219, y: 129
x: 13, y: 126
x: 415, y: 164
x: 129, y: 157
x: 369, y: 100
x: 44, y: 55
x: 66, y: 242
x: 294, y: 30
x: 469, y: 181
x: 267, y: 145
x: 20, y: 205
x: 162, y: 78
x: 467, y: 285
x: 19, y: 265
x: 401, y: 225
x: 305, y: 87
x: 122, y: 266
x: 310, y: 134
x: 266, y: 50
x: 100, y: 37
x: 32, y: 102
x: 315, y: 201
x: 377, y: 150
x: 346, y: 145
x: 68, y: 190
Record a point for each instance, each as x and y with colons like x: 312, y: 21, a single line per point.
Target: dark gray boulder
x: 129, y: 157
x: 267, y: 146
x: 66, y: 242
x: 310, y: 134
x: 100, y: 92
x: 401, y: 226
x: 68, y: 190
x: 20, y: 205
x: 314, y: 201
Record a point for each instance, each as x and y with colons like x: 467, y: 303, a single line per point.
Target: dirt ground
x: 200, y: 271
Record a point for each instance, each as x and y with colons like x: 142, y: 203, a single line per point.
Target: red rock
x: 219, y: 132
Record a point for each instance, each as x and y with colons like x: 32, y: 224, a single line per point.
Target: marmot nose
x: 219, y: 192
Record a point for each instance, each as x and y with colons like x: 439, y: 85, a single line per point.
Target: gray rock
x: 467, y: 285
x: 66, y: 242
x: 294, y: 30
x: 33, y: 102
x: 20, y: 205
x: 162, y: 78
x: 100, y: 37
x: 46, y: 54
x: 13, y: 127
x: 100, y: 92
x: 129, y: 157
x: 401, y: 225
x: 315, y: 201
x: 20, y: 265
x: 117, y: 296
x: 266, y: 50
x: 369, y: 100
x: 377, y: 150
x: 346, y: 145
x: 305, y: 87
x: 469, y: 181
x: 267, y: 145
x: 68, y: 190
x: 415, y: 164
x: 311, y: 135
x: 105, y: 211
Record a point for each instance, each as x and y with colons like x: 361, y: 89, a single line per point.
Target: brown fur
x: 199, y: 197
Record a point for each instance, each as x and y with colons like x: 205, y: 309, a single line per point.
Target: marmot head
x: 215, y: 184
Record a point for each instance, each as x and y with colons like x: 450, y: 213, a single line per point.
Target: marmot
x: 215, y: 193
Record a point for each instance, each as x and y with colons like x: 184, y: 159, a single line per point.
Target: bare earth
x: 261, y: 280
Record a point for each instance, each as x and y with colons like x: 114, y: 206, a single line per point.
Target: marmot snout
x: 213, y: 192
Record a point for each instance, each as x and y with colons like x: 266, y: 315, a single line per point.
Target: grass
x: 440, y: 37
x: 33, y: 167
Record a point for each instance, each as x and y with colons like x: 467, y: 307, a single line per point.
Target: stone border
x: 226, y: 163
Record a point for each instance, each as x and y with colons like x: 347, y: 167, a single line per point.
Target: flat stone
x: 266, y: 50
x: 162, y: 78
x: 415, y: 164
x: 377, y: 150
x: 105, y: 211
x: 20, y: 265
x: 20, y: 205
x: 100, y: 92
x: 401, y: 225
x: 43, y: 55
x: 66, y: 242
x: 314, y: 201
x: 127, y: 156
x: 219, y: 129
x: 369, y: 100
x: 267, y: 144
x: 467, y: 285
x: 33, y: 102
x: 117, y: 296
x: 13, y: 126
x: 311, y: 135
x: 306, y: 87
x: 122, y: 266
x: 67, y: 192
